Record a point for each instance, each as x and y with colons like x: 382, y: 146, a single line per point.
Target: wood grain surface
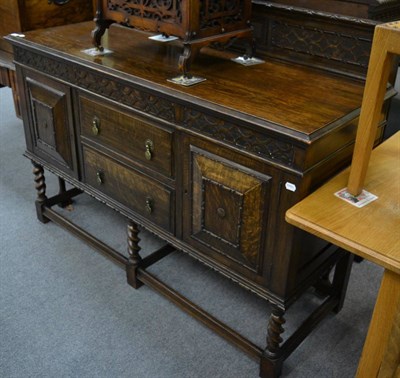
x: 294, y: 96
x: 372, y: 232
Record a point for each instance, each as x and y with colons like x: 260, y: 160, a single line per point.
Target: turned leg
x: 186, y: 58
x: 101, y: 26
x: 98, y: 32
x: 272, y: 358
x: 40, y: 186
x: 134, y: 257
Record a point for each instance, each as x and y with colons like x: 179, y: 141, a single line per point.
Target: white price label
x: 290, y: 186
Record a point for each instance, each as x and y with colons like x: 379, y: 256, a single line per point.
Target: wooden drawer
x: 130, y: 135
x: 135, y: 191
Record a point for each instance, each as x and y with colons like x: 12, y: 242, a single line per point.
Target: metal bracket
x: 186, y: 81
x: 246, y: 61
x: 94, y: 51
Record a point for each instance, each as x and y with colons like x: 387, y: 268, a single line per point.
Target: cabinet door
x: 226, y: 210
x: 50, y: 122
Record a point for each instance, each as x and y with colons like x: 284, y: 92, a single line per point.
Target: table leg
x: 134, y: 259
x: 386, y: 307
x: 40, y: 186
x: 391, y: 362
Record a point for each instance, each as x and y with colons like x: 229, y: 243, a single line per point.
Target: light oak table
x: 372, y: 232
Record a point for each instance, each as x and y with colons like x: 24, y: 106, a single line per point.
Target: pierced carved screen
x: 197, y: 23
x: 220, y: 13
x: 178, y: 17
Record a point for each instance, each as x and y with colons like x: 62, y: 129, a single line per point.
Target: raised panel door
x: 227, y: 210
x: 50, y: 124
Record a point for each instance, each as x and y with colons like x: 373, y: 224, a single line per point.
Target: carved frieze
x: 330, y: 41
x: 99, y: 84
x: 338, y: 46
x: 239, y: 136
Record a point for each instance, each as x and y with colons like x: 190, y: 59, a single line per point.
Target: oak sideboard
x: 211, y: 169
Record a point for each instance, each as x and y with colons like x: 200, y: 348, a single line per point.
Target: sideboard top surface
x: 295, y: 98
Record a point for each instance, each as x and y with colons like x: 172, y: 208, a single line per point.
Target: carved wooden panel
x: 196, y: 23
x: 185, y: 19
x: 326, y: 40
x: 249, y: 140
x: 102, y: 85
x: 52, y: 129
x: 254, y: 142
x: 229, y: 204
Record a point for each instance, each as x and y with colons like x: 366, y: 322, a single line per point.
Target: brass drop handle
x: 149, y: 145
x: 95, y: 126
x: 99, y: 177
x: 149, y: 205
x: 58, y: 2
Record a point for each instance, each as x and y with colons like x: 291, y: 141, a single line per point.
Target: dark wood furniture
x: 18, y: 16
x: 365, y: 9
x: 211, y: 169
x: 334, y: 39
x: 195, y: 23
x: 350, y: 227
x: 293, y: 30
x: 345, y: 225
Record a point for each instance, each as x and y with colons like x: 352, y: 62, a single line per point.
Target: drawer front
x: 135, y: 191
x: 130, y: 135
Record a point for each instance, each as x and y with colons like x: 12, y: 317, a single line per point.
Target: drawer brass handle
x: 95, y: 126
x: 149, y: 205
x: 149, y: 148
x: 99, y: 177
x: 58, y: 2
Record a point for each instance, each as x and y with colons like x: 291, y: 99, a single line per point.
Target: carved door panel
x: 227, y: 209
x: 51, y: 125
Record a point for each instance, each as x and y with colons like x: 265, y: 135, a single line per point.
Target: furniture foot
x: 134, y: 259
x: 272, y: 357
x: 40, y: 186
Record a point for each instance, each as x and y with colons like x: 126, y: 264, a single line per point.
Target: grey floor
x: 66, y: 311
